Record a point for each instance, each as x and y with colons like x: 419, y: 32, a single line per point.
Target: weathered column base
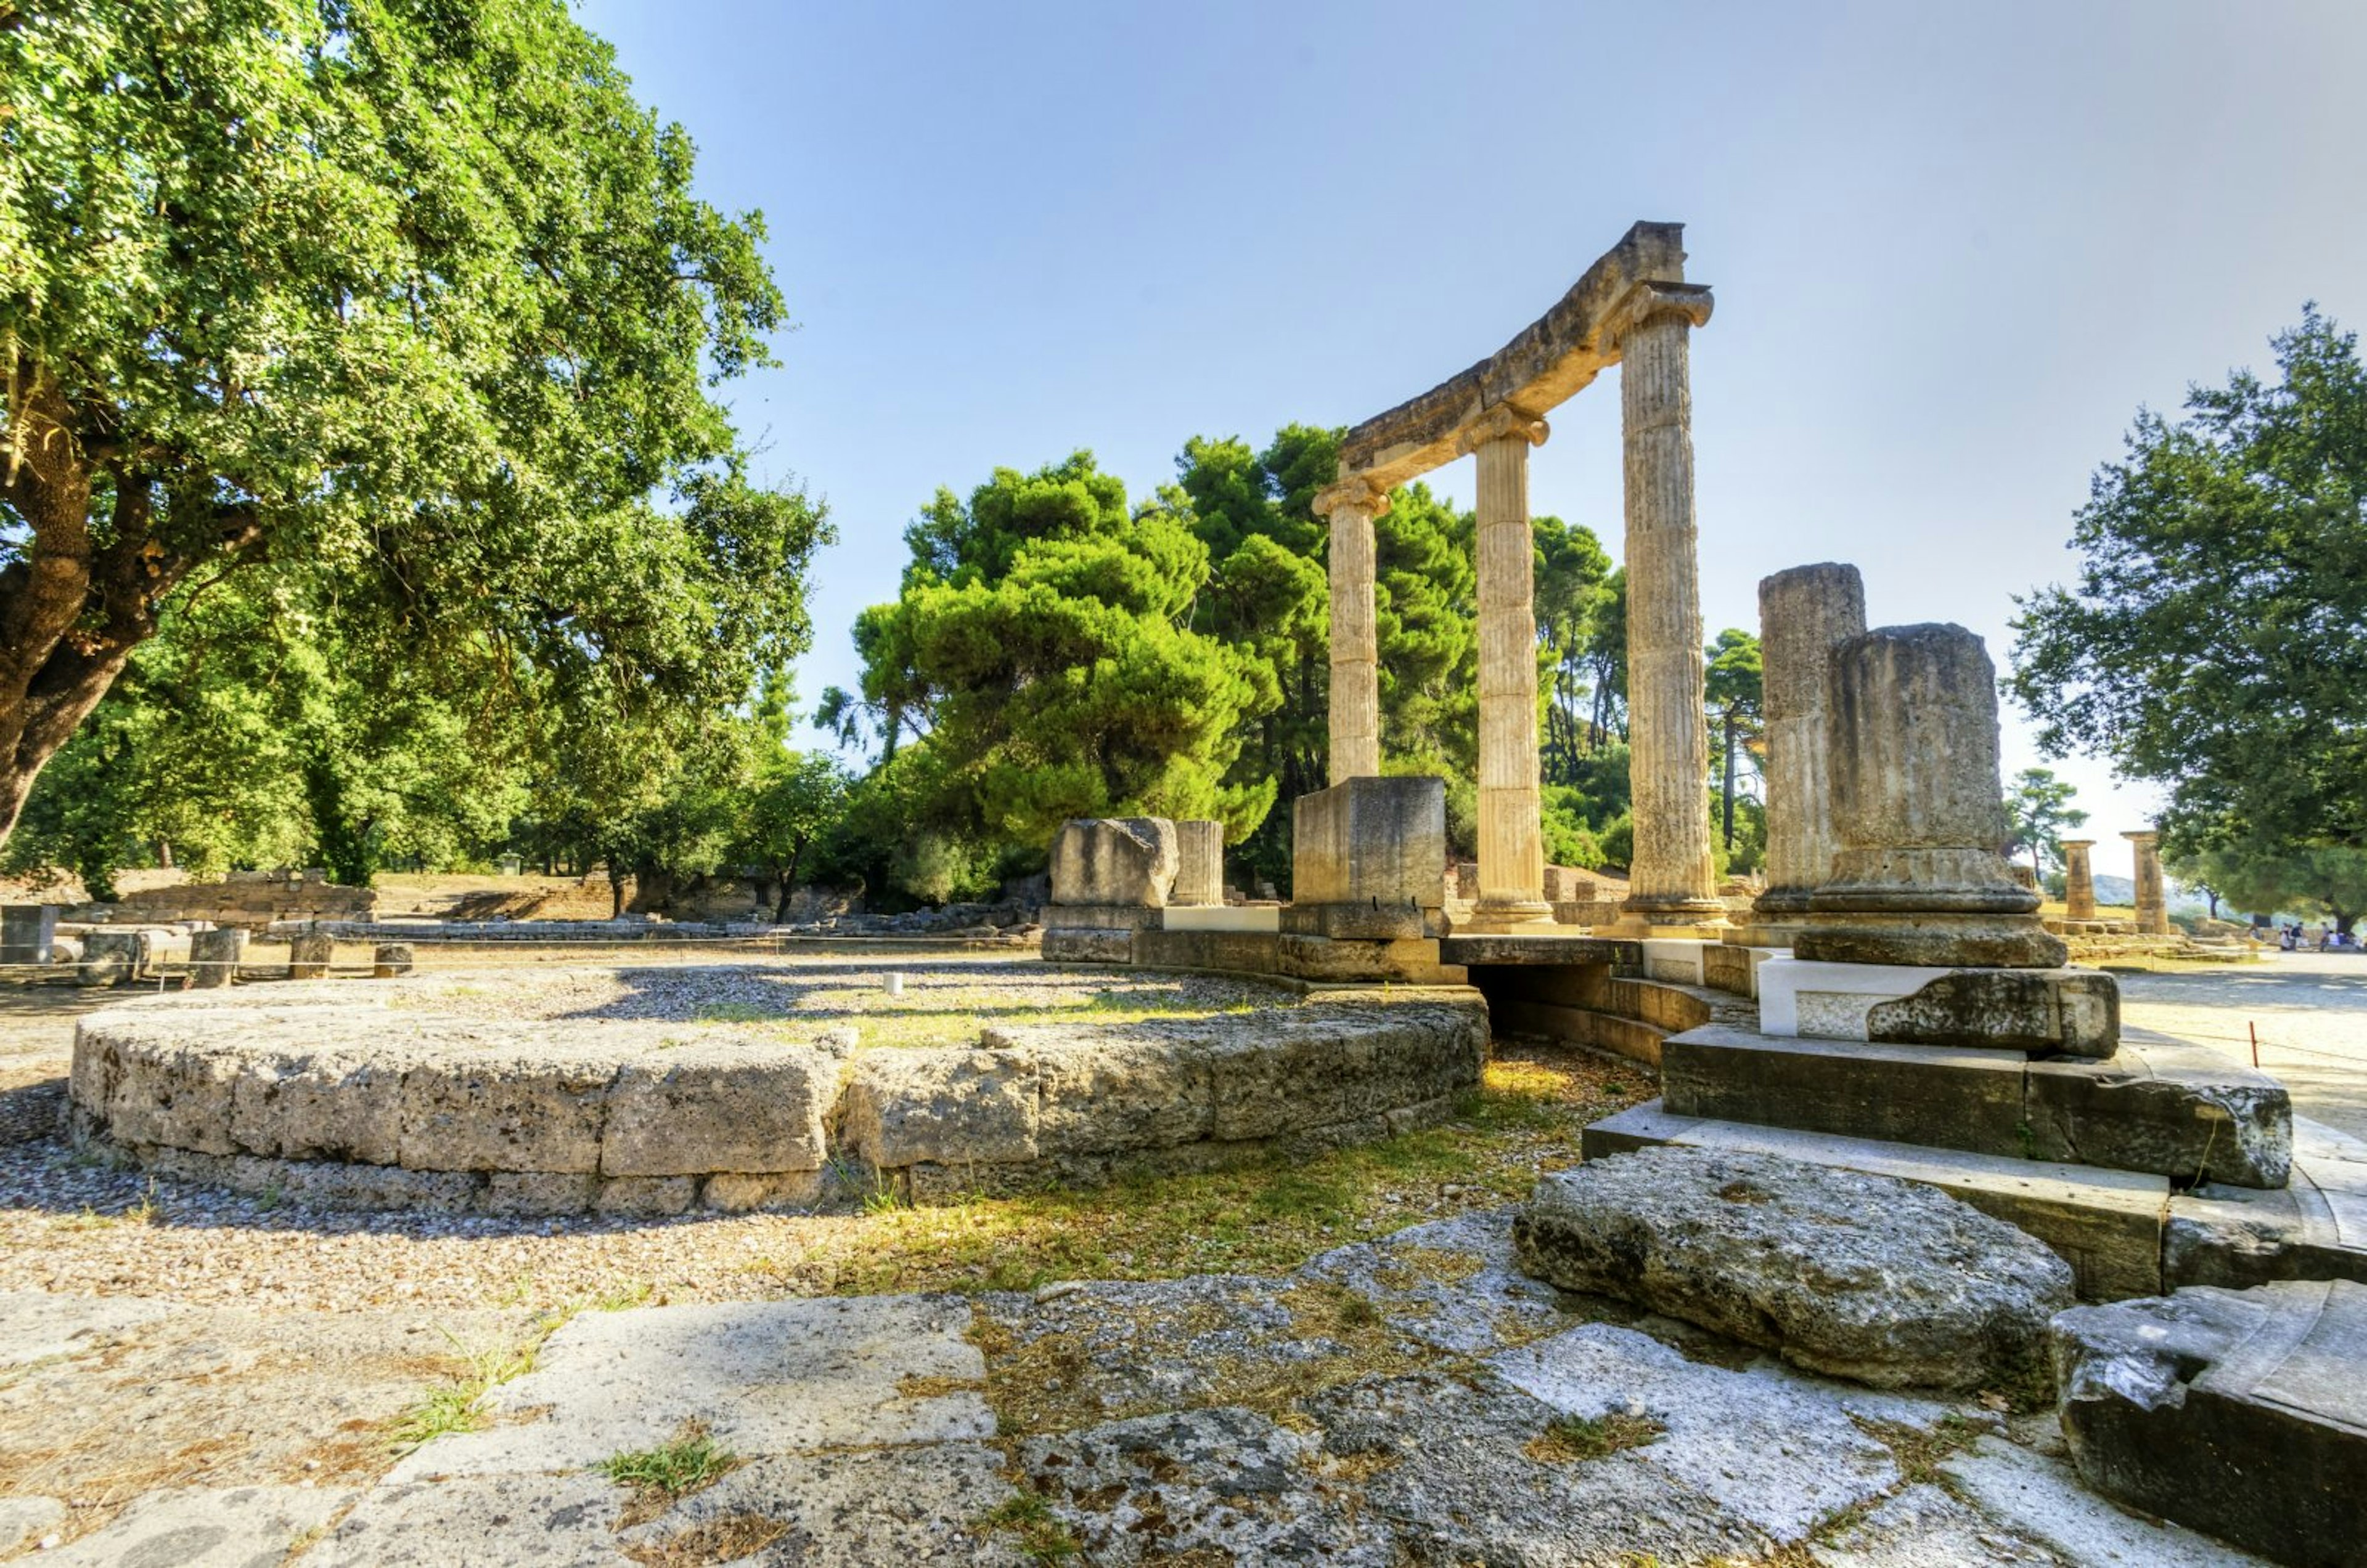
x: 1764, y: 933
x: 1696, y: 920
x: 1925, y: 938
x: 1503, y: 917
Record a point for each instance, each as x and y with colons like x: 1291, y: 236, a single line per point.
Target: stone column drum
x: 214, y: 955
x: 1355, y: 712
x: 1803, y: 614
x: 28, y: 933
x: 1512, y: 844
x: 2078, y: 880
x: 1672, y: 880
x: 2153, y: 906
x: 1919, y: 812
x: 310, y: 955
x: 1199, y: 863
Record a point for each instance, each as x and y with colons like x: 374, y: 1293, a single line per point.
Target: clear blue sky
x: 1954, y: 247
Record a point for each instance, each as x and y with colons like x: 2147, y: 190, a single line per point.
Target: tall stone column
x: 1672, y: 880
x: 1355, y: 714
x: 1803, y: 614
x: 2078, y: 880
x: 2153, y: 908
x: 1511, y: 842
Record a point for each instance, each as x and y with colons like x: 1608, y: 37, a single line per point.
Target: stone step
x: 2160, y: 1106
x: 2316, y: 1228
x: 2105, y: 1224
x: 2241, y: 1413
x: 2124, y: 1233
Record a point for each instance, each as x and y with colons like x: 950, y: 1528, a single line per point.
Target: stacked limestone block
x: 1367, y: 895
x: 344, y: 1097
x: 1111, y: 877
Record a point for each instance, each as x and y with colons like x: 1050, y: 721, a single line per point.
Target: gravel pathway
x: 2310, y: 1011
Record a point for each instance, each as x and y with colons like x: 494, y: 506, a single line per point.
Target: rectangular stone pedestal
x: 214, y: 955
x: 26, y: 932
x: 2045, y: 1011
x: 1370, y: 841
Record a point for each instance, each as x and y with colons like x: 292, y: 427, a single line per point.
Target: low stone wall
x: 1590, y: 1005
x: 250, y: 899
x: 333, y: 1100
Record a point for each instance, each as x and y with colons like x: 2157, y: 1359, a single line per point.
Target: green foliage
x: 797, y: 797
x: 409, y: 297
x: 2037, y: 808
x: 1582, y: 676
x: 2213, y: 640
x: 1425, y: 600
x: 2313, y: 879
x: 251, y: 731
x: 1041, y: 644
x: 1735, y: 696
x: 1268, y: 596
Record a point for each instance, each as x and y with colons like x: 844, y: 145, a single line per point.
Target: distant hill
x: 2115, y: 890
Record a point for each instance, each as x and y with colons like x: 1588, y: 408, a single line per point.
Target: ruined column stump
x: 1919, y: 814
x: 1366, y: 889
x: 309, y: 953
x: 2078, y: 880
x: 214, y: 955
x: 2153, y: 906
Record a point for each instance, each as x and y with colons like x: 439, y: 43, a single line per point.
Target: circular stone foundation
x: 658, y: 1089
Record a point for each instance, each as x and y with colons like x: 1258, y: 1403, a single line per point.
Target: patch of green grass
x: 1262, y: 1218
x: 1039, y: 1534
x: 692, y: 1462
x: 458, y: 1404
x: 620, y: 1298
x: 1574, y: 1439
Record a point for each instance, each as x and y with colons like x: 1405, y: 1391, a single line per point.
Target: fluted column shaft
x: 1355, y: 712
x: 1803, y: 614
x: 1672, y: 879
x: 2153, y: 906
x: 2078, y: 880
x: 1512, y: 851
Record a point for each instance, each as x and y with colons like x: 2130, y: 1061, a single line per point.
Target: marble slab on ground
x: 1773, y: 1448
x: 2041, y: 1497
x: 853, y: 1510
x: 495, y: 1522
x: 1923, y: 1527
x: 194, y: 1528
x: 38, y: 1326
x: 764, y: 1377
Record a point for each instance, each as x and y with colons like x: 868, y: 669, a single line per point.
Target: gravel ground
x: 2310, y: 1010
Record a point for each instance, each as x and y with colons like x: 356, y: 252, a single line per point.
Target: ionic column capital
x: 1502, y: 423
x: 1648, y: 302
x: 1355, y: 493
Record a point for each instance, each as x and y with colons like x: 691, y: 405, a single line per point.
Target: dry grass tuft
x: 727, y: 1539
x: 1574, y: 1439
